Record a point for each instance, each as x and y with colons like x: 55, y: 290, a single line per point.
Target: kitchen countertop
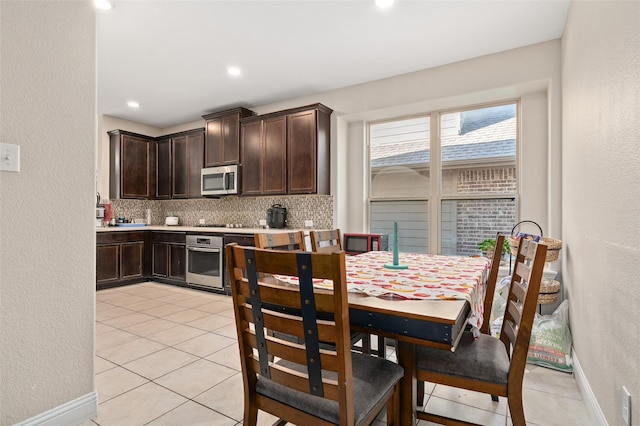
x: 179, y: 228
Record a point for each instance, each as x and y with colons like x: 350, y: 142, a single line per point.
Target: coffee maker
x: 99, y: 212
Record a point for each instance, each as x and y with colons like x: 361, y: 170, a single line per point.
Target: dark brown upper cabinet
x: 133, y: 165
x: 222, y: 141
x: 287, y: 152
x: 187, y: 156
x: 264, y: 156
x: 308, y: 155
x: 163, y: 169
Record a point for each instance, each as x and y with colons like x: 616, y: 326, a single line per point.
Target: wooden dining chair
x: 490, y: 290
x: 293, y: 240
x: 487, y: 364
x: 326, y: 241
x: 306, y: 384
x: 287, y: 241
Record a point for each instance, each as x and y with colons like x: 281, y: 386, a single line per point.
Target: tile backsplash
x: 231, y: 209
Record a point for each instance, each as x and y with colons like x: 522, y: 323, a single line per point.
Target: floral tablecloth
x: 428, y: 277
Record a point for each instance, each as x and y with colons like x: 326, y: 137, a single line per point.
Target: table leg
x: 408, y: 383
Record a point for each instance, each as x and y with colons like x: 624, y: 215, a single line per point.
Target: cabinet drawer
x: 119, y: 237
x: 168, y: 237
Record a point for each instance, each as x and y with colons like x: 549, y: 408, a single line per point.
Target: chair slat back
x: 310, y: 314
x: 290, y: 241
x: 491, y: 283
x: 326, y: 241
x: 521, y: 304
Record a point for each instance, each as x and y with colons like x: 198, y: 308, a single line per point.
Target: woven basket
x: 549, y: 286
x: 553, y: 245
x: 544, y: 299
x: 549, y: 291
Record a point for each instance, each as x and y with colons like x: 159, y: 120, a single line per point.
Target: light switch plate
x: 626, y: 406
x: 9, y: 157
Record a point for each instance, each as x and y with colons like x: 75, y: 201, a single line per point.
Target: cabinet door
x: 195, y: 149
x: 301, y: 134
x: 163, y: 169
x: 214, y: 143
x: 177, y: 262
x: 179, y: 167
x: 251, y: 158
x: 222, y: 143
x: 132, y: 260
x: 135, y: 167
x: 107, y: 263
x: 159, y: 259
x: 274, y: 154
x: 231, y: 139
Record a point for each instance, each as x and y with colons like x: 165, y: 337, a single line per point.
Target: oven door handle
x: 206, y: 250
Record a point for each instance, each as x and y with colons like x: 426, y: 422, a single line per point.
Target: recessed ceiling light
x: 103, y: 4
x: 383, y: 4
x: 233, y: 71
x: 133, y: 104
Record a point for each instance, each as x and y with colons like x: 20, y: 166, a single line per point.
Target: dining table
x: 416, y: 299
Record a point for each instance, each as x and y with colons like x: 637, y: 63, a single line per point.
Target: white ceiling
x: 172, y: 56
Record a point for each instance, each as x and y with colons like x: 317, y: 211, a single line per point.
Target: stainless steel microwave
x: 216, y: 181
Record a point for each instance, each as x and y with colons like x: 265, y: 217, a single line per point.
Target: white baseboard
x: 71, y: 413
x: 587, y: 394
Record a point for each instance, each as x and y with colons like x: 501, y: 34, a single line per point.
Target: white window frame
x: 436, y: 196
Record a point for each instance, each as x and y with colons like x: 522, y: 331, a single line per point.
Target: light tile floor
x: 168, y: 355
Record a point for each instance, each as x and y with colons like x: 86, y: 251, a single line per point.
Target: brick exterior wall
x: 477, y: 220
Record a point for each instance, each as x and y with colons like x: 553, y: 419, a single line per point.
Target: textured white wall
x: 531, y: 72
x: 601, y: 188
x: 47, y: 251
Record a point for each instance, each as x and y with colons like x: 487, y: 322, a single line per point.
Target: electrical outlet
x: 308, y: 224
x: 201, y: 221
x: 626, y: 406
x: 263, y: 222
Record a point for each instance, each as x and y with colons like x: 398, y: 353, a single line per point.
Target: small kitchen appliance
x: 277, y: 216
x: 99, y: 212
x: 361, y: 243
x: 171, y: 220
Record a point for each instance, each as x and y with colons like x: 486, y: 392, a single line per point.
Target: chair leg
x: 250, y: 414
x: 382, y: 347
x: 393, y: 408
x: 515, y: 408
x: 420, y: 394
x: 366, y: 344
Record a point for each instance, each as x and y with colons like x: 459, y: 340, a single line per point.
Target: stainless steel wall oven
x: 204, y: 261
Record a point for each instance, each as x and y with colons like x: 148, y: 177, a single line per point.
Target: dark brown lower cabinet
x: 240, y: 239
x: 128, y: 257
x: 121, y: 258
x: 107, y: 263
x: 168, y: 256
x: 159, y: 256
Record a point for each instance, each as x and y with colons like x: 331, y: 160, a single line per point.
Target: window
x: 399, y: 167
x: 473, y: 195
